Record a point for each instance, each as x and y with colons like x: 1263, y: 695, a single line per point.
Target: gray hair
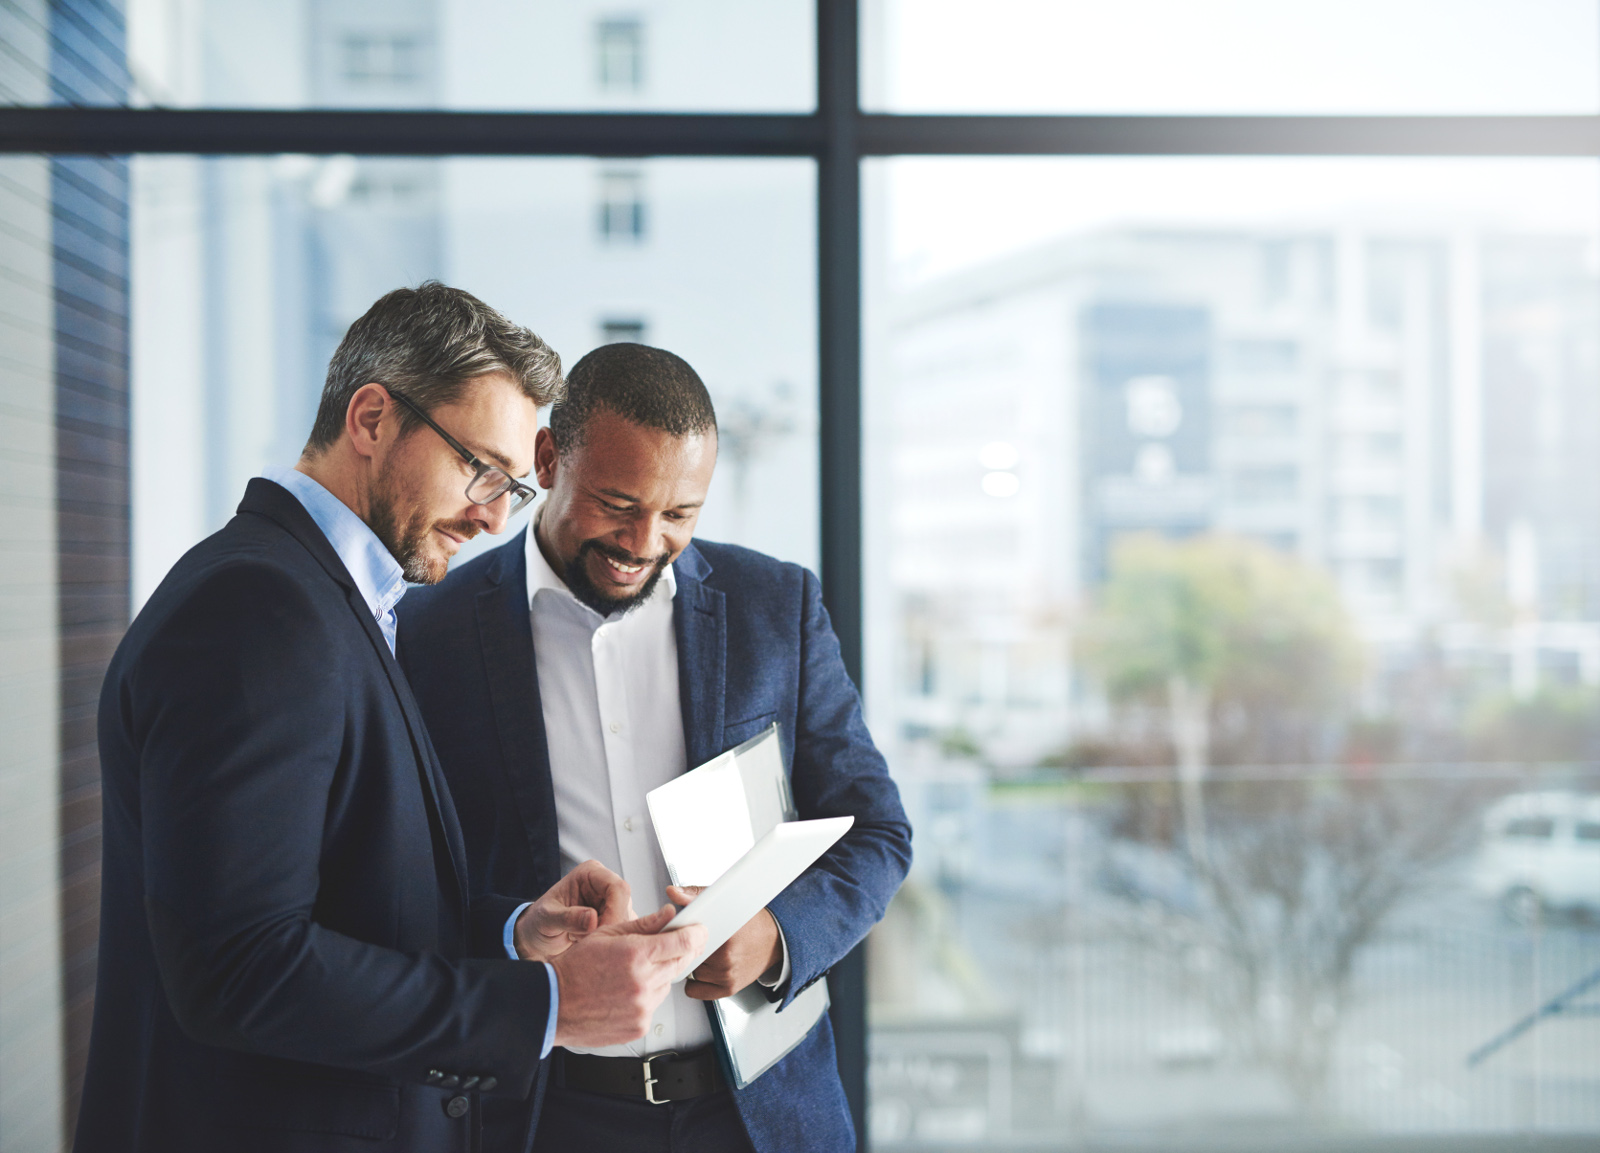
x: 427, y: 343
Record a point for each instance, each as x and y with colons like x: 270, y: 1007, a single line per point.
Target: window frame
x: 838, y: 135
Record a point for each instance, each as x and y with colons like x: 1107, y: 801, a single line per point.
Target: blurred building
x: 1405, y: 409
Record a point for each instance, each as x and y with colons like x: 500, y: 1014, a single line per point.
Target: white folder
x: 706, y: 821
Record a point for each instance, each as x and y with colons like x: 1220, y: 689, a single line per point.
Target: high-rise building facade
x: 1392, y: 405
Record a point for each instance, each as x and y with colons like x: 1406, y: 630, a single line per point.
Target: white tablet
x: 755, y: 878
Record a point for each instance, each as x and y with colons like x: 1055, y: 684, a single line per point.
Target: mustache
x: 464, y: 529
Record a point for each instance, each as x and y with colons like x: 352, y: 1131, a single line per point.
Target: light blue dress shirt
x: 381, y: 583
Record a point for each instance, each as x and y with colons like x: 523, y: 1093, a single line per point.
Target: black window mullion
x: 839, y: 438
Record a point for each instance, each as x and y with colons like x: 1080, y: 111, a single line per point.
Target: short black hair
x: 426, y: 343
x: 649, y: 386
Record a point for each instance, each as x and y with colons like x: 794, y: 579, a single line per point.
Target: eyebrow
x: 493, y: 456
x: 617, y: 494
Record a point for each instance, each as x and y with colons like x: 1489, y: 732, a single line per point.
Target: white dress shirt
x: 614, y: 726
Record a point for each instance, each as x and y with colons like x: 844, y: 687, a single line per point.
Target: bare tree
x: 1300, y: 878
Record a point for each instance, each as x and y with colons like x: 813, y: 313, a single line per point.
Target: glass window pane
x: 1233, y: 631
x: 682, y: 55
x: 1233, y: 56
x: 248, y: 271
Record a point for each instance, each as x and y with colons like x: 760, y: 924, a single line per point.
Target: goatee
x: 588, y: 593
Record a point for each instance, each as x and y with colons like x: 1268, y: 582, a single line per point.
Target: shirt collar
x: 542, y: 576
x: 377, y: 574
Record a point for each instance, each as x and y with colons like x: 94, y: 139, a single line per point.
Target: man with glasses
x: 291, y: 957
x: 602, y: 654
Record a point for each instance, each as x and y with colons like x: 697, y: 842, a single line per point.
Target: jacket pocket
x: 736, y: 733
x: 309, y: 1105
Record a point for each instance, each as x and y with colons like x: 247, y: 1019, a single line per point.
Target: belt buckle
x: 650, y: 1082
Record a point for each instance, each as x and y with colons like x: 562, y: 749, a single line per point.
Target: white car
x: 1541, y: 851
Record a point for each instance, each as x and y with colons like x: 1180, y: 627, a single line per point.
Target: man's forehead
x: 491, y: 415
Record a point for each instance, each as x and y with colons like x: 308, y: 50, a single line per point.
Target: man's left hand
x: 579, y: 903
x: 748, y: 954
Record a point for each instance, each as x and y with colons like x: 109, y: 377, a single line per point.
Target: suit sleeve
x: 240, y: 717
x: 837, y: 771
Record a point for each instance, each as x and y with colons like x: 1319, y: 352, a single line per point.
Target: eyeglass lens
x: 492, y: 483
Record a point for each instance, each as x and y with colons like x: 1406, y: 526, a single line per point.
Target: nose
x: 646, y: 537
x: 492, y: 517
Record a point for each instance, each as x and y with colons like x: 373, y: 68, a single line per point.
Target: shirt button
x: 628, y: 824
x: 659, y: 1029
x: 614, y: 727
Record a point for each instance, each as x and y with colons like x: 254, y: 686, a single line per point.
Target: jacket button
x: 469, y: 1082
x: 489, y: 1084
x: 451, y: 1081
x: 457, y: 1107
x: 434, y: 1076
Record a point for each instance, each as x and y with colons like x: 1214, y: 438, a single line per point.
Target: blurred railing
x: 1064, y: 968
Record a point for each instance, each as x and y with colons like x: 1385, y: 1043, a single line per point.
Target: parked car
x: 1541, y: 853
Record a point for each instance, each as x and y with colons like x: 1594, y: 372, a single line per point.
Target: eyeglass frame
x: 522, y: 494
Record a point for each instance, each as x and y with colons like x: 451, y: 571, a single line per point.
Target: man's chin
x: 425, y: 566
x: 603, y: 601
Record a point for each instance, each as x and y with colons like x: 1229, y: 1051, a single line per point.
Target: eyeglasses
x: 489, y: 482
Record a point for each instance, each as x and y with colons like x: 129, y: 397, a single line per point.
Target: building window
x: 1253, y: 486
x: 622, y: 331
x: 1260, y: 421
x: 381, y: 58
x: 622, y: 207
x: 621, y: 54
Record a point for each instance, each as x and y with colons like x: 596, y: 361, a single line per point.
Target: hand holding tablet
x: 755, y: 879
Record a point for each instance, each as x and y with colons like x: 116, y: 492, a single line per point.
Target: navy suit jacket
x: 284, y: 913
x: 754, y: 647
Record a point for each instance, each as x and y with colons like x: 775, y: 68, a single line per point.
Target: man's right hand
x: 613, y: 980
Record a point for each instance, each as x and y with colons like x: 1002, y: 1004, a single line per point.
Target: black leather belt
x: 659, y: 1079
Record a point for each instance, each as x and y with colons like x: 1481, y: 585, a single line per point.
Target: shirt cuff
x: 510, y: 937
x: 555, y: 1011
x: 782, y: 967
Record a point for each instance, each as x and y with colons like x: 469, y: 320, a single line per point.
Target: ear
x: 546, y: 457
x: 363, y: 418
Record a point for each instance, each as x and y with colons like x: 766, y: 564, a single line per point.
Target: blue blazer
x: 754, y: 647
x: 284, y: 916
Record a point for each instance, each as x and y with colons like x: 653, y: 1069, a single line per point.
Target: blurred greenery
x: 958, y: 743
x: 1262, y: 639
x: 1557, y: 723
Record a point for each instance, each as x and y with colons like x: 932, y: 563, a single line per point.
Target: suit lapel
x: 505, y: 634
x: 438, y: 796
x: 699, y: 618
x: 273, y: 501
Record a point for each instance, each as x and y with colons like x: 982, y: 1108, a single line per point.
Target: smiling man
x: 291, y: 959
x: 567, y: 673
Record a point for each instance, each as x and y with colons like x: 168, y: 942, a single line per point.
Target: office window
x: 1142, y: 508
x: 621, y: 217
x: 1232, y: 56
x: 620, y: 57
x: 541, y: 55
x: 235, y: 338
x: 1054, y: 974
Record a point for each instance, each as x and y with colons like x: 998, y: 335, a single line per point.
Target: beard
x: 589, y: 593
x: 402, y: 524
